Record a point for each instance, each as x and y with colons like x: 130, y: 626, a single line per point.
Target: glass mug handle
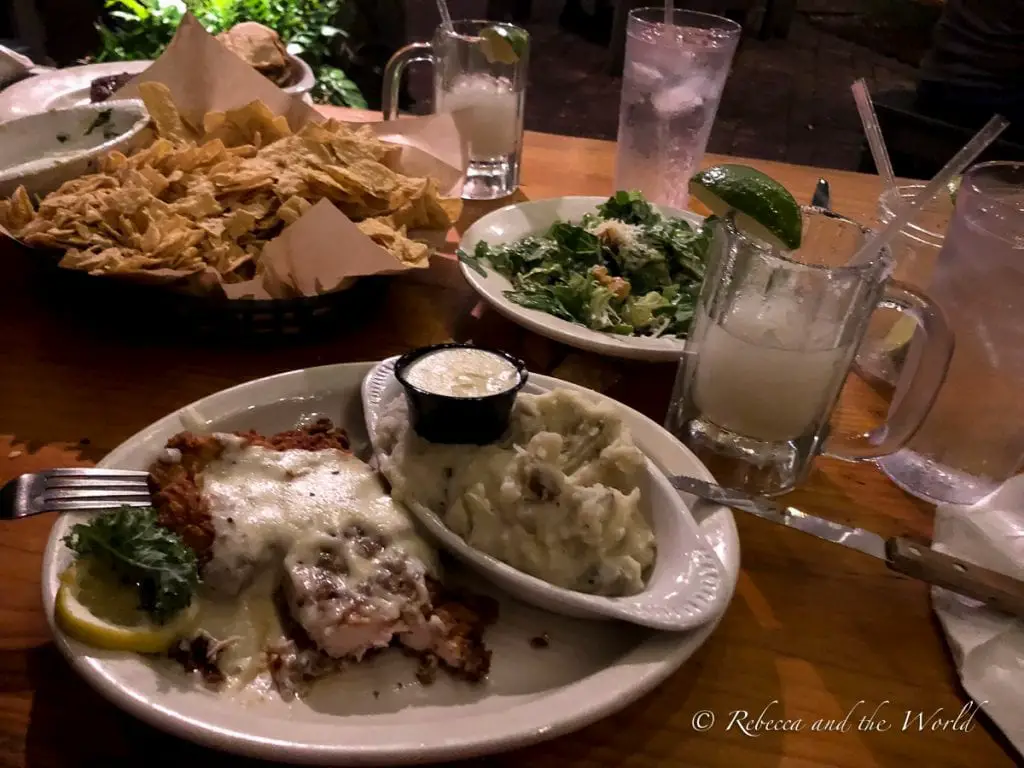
x: 906, y: 415
x: 395, y: 69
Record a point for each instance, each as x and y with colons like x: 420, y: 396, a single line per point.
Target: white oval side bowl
x: 25, y: 141
x: 685, y: 589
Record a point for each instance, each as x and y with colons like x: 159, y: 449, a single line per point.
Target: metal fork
x: 72, y: 489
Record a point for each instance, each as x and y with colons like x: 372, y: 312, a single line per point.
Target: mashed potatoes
x: 557, y: 498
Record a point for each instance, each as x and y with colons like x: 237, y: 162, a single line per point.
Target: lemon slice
x: 96, y: 608
x: 764, y: 208
x: 503, y: 44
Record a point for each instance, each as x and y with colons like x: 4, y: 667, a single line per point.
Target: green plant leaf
x: 139, y: 10
x: 141, y: 29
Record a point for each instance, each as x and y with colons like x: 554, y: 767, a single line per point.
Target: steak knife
x: 901, y: 554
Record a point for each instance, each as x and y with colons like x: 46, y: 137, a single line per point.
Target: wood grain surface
x: 814, y: 631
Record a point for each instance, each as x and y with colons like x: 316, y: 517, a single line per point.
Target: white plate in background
x: 59, y: 88
x: 69, y: 87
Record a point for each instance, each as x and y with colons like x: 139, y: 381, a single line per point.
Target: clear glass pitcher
x: 973, y: 438
x: 774, y: 336
x: 483, y: 79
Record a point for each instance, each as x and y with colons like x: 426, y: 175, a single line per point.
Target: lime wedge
x: 505, y: 45
x: 764, y: 208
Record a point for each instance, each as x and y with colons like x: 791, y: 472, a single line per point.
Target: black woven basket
x: 158, y: 310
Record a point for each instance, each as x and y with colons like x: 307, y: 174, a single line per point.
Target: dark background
x: 787, y: 98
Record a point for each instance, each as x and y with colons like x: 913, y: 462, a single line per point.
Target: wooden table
x: 814, y: 631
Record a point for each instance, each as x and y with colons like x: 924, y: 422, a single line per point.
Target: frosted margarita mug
x: 775, y: 332
x: 480, y: 73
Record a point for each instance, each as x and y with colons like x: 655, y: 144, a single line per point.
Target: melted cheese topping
x: 462, y: 372
x: 264, y: 501
x: 275, y: 513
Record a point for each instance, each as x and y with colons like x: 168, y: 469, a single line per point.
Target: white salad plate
x: 685, y: 589
x: 375, y: 713
x: 59, y: 88
x: 513, y: 222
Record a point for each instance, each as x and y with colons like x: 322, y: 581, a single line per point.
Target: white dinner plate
x: 375, y: 713
x: 512, y: 222
x: 59, y: 88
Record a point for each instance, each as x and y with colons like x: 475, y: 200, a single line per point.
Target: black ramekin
x: 458, y: 420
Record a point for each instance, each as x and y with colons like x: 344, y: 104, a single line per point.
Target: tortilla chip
x: 160, y: 105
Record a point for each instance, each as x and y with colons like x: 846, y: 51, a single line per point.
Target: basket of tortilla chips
x: 247, y: 208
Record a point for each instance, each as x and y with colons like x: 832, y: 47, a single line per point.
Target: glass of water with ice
x: 672, y: 83
x: 773, y: 338
x: 480, y: 73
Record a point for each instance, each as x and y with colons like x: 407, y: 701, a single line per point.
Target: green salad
x: 625, y: 269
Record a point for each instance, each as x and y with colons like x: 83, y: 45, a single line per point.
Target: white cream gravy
x: 264, y: 501
x: 462, y: 372
x: 269, y: 504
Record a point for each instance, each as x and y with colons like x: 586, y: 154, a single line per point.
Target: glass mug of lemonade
x: 774, y: 336
x: 480, y: 73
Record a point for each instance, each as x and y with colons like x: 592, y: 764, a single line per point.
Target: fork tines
x: 112, y: 478
x: 68, y: 489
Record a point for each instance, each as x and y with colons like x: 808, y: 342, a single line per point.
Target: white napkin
x: 13, y: 66
x: 988, y: 647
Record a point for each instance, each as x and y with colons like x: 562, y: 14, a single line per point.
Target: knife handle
x: 918, y: 560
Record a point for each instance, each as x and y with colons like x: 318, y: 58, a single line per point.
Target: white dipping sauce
x: 462, y: 372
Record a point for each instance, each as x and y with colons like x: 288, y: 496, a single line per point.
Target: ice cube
x: 679, y: 99
x: 644, y: 75
x: 682, y: 63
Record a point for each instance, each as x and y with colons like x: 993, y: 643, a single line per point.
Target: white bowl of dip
x: 42, y: 151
